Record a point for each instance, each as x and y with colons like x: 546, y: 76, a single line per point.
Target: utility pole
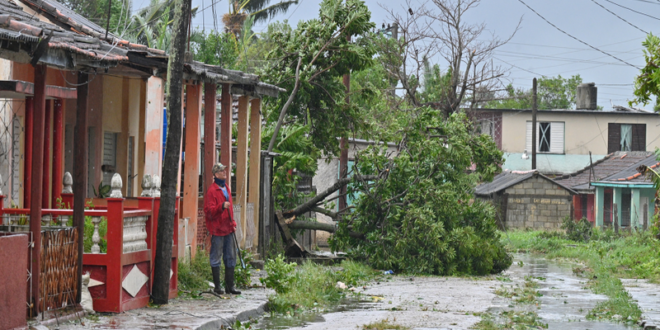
x: 343, y: 145
x: 534, y: 108
x: 161, y: 285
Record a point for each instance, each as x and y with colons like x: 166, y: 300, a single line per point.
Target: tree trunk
x: 310, y: 204
x: 163, y: 262
x: 312, y: 225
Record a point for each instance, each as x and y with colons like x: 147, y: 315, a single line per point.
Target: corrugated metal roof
x: 608, y: 166
x: 502, y: 181
x: 508, y: 179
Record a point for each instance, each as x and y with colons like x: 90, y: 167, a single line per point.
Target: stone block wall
x: 537, y: 204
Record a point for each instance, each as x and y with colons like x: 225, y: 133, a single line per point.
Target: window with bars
x: 549, y: 137
x: 626, y: 137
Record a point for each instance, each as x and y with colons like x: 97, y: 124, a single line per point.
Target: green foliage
x: 194, y: 275
x: 579, y: 231
x: 242, y: 276
x: 214, y: 48
x: 280, y: 274
x: 298, y: 155
x: 313, y: 286
x: 511, y: 320
x: 89, y: 232
x: 552, y: 93
x: 647, y: 83
x: 325, y: 56
x: 103, y: 192
x: 97, y: 11
x: 420, y: 216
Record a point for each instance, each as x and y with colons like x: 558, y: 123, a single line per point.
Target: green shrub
x: 579, y: 231
x: 279, y: 274
x: 243, y: 276
x: 194, y: 276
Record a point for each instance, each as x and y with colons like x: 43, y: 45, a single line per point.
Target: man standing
x: 219, y: 212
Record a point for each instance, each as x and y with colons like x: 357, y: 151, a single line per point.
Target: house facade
x: 527, y: 199
x: 598, y: 192
x: 568, y: 140
x: 75, y: 99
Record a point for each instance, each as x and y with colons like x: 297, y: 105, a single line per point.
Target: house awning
x: 17, y: 89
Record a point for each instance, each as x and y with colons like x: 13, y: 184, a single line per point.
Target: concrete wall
x: 537, y: 203
x: 13, y: 287
x: 583, y: 132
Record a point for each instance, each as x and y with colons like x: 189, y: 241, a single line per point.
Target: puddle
x: 565, y: 301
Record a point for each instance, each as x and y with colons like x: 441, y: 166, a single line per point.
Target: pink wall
x: 13, y: 287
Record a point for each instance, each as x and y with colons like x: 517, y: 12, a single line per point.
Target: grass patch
x: 313, y: 286
x: 194, y: 277
x: 384, y: 325
x: 511, y: 320
x: 607, y: 256
x: 526, y: 293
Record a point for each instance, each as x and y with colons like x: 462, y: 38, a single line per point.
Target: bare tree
x: 438, y: 32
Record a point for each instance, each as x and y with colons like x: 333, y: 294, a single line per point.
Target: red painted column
x: 58, y: 140
x: 37, y: 178
x: 27, y: 162
x: 226, y: 121
x: 45, y: 191
x: 210, y: 156
x: 209, y: 134
x: 115, y: 245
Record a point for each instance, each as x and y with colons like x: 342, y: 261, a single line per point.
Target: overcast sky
x: 537, y: 48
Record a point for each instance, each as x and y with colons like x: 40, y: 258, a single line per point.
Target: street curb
x: 56, y: 321
x: 242, y: 316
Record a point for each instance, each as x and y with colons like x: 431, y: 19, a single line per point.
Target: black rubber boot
x: 229, y: 281
x: 216, y: 280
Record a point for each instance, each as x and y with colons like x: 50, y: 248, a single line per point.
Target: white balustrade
x: 155, y: 191
x: 147, y: 185
x: 116, y: 185
x: 96, y: 238
x: 135, y: 233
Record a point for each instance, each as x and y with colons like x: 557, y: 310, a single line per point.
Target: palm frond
x: 262, y: 14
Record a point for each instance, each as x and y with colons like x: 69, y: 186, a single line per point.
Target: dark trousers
x: 223, y: 247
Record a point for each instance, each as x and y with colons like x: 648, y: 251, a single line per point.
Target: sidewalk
x: 208, y: 312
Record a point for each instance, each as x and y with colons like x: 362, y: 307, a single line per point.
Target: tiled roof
x: 77, y: 42
x: 18, y: 25
x: 604, y: 168
x: 631, y: 174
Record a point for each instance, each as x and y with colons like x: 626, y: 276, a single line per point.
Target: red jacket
x: 218, y: 221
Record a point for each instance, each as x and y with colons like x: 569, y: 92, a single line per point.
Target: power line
x: 619, y: 17
x: 576, y: 39
x: 634, y: 11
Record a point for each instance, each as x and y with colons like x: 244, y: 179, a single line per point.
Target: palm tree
x: 260, y: 10
x: 151, y: 25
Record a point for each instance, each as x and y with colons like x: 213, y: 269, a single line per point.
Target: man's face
x: 222, y: 175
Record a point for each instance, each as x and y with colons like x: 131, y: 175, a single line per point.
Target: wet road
x: 449, y: 303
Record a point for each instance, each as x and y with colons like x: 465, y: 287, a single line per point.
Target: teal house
x: 626, y: 197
